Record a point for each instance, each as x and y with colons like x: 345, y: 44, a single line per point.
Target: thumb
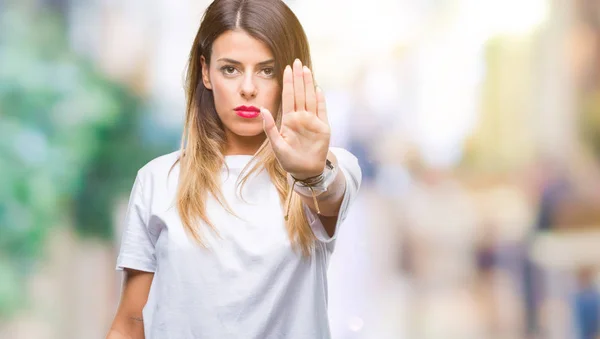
x: 271, y: 131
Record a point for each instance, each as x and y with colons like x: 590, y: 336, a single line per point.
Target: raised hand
x: 302, y: 142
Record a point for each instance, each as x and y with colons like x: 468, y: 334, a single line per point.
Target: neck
x: 243, y: 145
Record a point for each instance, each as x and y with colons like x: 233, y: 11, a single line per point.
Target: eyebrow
x: 235, y: 62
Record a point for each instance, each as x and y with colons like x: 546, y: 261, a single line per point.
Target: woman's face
x: 241, y: 76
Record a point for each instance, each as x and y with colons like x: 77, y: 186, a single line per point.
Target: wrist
x: 304, y: 176
x: 312, y: 186
x: 316, y: 184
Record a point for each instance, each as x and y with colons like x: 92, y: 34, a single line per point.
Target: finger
x: 298, y: 86
x: 287, y: 93
x: 321, y: 107
x: 309, y: 89
x: 271, y: 131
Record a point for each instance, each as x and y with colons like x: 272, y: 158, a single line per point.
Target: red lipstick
x: 248, y: 112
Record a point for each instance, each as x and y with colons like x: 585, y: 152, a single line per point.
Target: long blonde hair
x: 203, y: 140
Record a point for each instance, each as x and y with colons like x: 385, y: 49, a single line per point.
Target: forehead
x: 240, y: 46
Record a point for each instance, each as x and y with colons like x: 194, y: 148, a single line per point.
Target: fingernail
x: 306, y: 69
x: 297, y: 61
x: 288, y: 68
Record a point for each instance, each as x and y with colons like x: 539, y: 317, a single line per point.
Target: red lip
x: 248, y: 112
x: 247, y: 108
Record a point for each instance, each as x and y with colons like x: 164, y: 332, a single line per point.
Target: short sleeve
x: 137, y: 246
x: 348, y: 164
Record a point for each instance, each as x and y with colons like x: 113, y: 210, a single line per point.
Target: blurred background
x: 476, y: 123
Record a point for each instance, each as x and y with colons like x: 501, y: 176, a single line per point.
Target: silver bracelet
x: 312, y: 186
x: 318, y: 184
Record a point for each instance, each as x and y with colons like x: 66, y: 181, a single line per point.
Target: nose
x: 248, y: 89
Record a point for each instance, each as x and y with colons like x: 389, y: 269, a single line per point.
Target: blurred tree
x: 590, y: 121
x: 70, y: 143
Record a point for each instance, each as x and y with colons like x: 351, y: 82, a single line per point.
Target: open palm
x: 302, y: 142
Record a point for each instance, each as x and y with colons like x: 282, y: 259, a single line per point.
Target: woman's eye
x: 268, y: 71
x: 228, y: 70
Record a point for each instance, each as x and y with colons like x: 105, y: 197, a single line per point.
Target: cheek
x: 272, y: 96
x: 222, y: 91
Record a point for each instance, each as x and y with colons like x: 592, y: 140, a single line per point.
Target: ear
x: 205, y: 77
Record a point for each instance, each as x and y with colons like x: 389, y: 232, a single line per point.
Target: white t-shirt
x: 248, y: 283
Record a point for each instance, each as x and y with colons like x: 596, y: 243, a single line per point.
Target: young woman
x: 230, y: 236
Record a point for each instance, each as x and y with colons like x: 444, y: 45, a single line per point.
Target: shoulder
x: 158, y: 166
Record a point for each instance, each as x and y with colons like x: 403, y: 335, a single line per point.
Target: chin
x: 248, y: 131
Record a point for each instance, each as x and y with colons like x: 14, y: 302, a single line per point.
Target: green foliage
x: 70, y: 144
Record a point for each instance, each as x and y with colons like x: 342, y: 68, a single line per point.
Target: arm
x: 329, y: 201
x: 301, y: 142
x: 128, y: 322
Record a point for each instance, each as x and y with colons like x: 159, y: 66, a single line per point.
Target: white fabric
x: 248, y: 283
